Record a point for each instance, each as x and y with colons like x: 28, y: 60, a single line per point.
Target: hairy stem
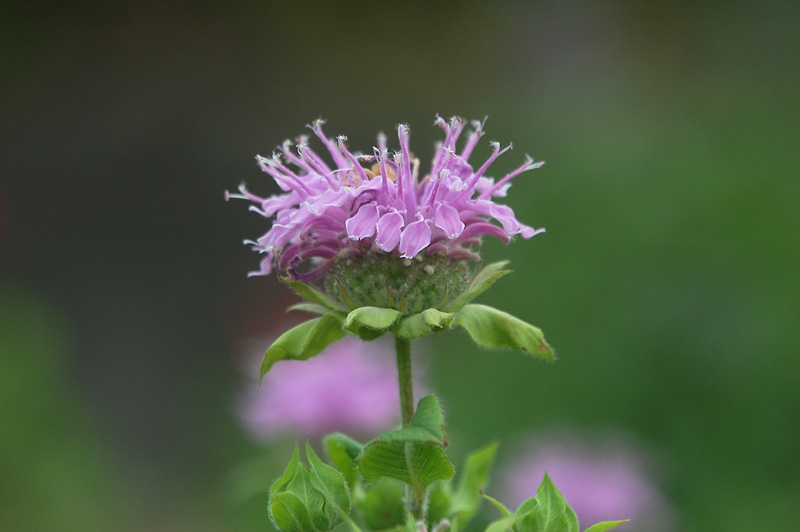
x: 405, y: 379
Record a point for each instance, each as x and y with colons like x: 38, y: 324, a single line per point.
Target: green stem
x: 405, y: 379
x: 406, y: 382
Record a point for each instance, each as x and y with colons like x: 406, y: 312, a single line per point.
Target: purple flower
x: 351, y: 204
x: 352, y: 389
x: 603, y: 481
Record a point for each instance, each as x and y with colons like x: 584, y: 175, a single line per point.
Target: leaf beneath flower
x: 495, y: 329
x: 303, y: 341
x: 312, y: 295
x: 481, y: 283
x: 372, y: 317
x: 313, y: 308
x: 376, y: 319
x: 429, y: 320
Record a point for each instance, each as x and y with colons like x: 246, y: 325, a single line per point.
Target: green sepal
x: 481, y: 283
x: 427, y: 425
x: 312, y: 295
x: 429, y: 320
x: 472, y: 480
x: 416, y: 464
x: 304, y: 341
x: 495, y: 329
x: 371, y: 321
x: 343, y: 451
x: 605, y: 525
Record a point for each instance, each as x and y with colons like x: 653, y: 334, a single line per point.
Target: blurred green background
x: 667, y: 280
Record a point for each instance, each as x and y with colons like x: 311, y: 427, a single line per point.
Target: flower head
x: 350, y: 208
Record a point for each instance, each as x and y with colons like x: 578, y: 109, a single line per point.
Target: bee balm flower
x: 600, y: 480
x: 301, y: 398
x: 352, y: 214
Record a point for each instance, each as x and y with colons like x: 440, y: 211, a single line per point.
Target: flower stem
x: 414, y: 498
x: 404, y: 379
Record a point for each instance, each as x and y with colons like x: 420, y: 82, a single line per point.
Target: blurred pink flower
x: 602, y: 481
x: 351, y: 388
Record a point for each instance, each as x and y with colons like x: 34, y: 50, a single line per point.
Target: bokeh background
x: 667, y: 280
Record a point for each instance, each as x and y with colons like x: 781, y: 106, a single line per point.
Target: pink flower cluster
x: 602, y: 480
x: 352, y: 389
x: 326, y: 210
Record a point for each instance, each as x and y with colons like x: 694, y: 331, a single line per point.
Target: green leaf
x: 312, y: 308
x: 481, y: 283
x: 427, y: 425
x: 472, y: 480
x: 374, y: 318
x: 329, y: 481
x: 495, y: 329
x: 605, y: 525
x: 343, y: 451
x: 291, y: 470
x: 411, y: 523
x: 312, y: 295
x: 306, y: 489
x: 505, y: 512
x: 551, y: 513
x: 527, y: 506
x: 502, y: 525
x: 416, y: 464
x: 382, y: 506
x: 429, y: 320
x: 440, y: 502
x: 303, y: 341
x: 314, y: 498
x: 289, y: 514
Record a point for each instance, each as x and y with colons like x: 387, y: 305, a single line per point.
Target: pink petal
x: 416, y: 236
x: 363, y: 224
x: 446, y: 218
x: 528, y: 232
x: 389, y: 230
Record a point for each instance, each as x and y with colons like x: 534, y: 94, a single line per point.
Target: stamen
x: 316, y: 127
x: 340, y: 140
x: 495, y: 154
x: 473, y: 138
x: 529, y: 165
x: 408, y: 185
